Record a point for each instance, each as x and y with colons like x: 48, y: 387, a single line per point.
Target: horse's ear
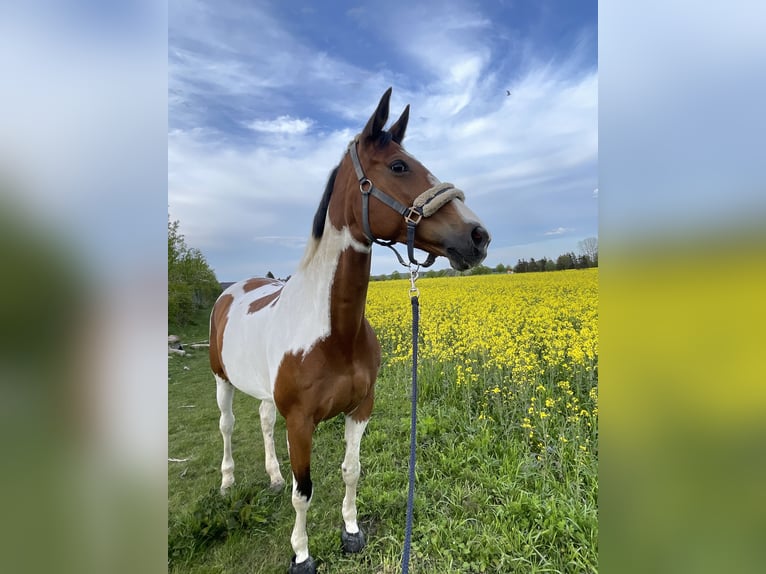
x: 375, y: 124
x: 400, y: 126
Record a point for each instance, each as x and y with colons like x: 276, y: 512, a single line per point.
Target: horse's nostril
x: 480, y: 236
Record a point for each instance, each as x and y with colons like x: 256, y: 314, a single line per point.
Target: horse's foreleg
x: 268, y: 413
x: 225, y: 397
x: 352, y: 537
x: 299, y: 436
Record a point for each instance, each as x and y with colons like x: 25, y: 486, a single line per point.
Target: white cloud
x: 595, y: 193
x: 559, y: 231
x: 281, y: 125
x: 290, y: 241
x: 245, y: 198
x: 528, y: 155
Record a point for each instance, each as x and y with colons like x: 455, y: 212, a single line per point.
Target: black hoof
x: 352, y: 543
x: 305, y: 567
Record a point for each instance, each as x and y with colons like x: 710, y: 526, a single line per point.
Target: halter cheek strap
x: 424, y: 205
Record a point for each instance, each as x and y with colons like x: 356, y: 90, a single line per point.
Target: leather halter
x: 424, y: 205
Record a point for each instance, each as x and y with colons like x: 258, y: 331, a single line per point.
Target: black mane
x: 319, y: 217
x: 384, y: 138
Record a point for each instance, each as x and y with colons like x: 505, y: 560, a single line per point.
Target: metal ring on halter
x: 365, y: 186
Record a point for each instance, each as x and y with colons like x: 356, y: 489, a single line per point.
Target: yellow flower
x: 536, y: 333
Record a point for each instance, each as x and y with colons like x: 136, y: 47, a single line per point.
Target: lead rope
x: 413, y: 418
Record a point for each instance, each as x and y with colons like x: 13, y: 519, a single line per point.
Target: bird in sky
x: 507, y: 92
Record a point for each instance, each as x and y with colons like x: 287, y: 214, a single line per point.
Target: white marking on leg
x: 268, y: 413
x: 225, y: 396
x: 351, y: 469
x: 299, y: 538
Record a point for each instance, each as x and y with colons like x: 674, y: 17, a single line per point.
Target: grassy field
x: 507, y: 442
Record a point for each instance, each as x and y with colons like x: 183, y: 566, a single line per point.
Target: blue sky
x: 264, y: 96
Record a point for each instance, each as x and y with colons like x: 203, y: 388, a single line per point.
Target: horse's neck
x: 348, y: 294
x: 336, y: 268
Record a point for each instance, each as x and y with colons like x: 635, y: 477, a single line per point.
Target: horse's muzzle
x: 468, y: 252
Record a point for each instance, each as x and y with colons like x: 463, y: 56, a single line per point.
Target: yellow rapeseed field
x: 521, y: 350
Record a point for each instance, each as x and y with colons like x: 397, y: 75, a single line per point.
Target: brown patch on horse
x: 338, y: 374
x: 259, y: 304
x: 255, y: 282
x: 218, y: 320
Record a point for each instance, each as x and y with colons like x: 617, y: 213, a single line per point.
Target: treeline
x: 588, y: 257
x: 192, y: 284
x: 564, y: 261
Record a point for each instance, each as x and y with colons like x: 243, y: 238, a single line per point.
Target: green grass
x: 485, y: 501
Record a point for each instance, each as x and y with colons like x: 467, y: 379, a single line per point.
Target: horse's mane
x: 317, y: 229
x: 319, y: 217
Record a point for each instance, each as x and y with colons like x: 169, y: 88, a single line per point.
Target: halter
x: 424, y: 205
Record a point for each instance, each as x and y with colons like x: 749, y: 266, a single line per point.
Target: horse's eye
x: 399, y: 167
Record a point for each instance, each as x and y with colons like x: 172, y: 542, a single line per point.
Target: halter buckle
x: 365, y: 186
x: 413, y: 216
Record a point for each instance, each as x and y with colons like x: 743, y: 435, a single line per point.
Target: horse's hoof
x: 277, y: 486
x: 305, y: 567
x: 352, y: 543
x: 226, y: 484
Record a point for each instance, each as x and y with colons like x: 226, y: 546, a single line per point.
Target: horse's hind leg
x: 352, y: 537
x: 225, y: 397
x: 268, y: 413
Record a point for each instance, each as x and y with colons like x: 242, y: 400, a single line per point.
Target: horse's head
x: 392, y: 191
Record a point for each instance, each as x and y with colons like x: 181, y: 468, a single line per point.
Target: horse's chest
x: 331, y: 378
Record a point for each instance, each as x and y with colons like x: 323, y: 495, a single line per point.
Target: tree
x: 192, y: 284
x: 565, y: 261
x: 589, y: 248
x: 481, y: 270
x: 500, y: 268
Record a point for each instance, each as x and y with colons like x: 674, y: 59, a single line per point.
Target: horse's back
x: 239, y: 329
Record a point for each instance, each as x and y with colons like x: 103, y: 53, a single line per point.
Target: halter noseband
x: 424, y: 205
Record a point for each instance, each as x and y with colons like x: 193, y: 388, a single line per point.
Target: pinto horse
x: 304, y: 346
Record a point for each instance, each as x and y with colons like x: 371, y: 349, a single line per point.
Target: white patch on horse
x: 350, y: 470
x: 255, y: 343
x: 268, y: 416
x: 225, y: 396
x: 260, y: 292
x: 465, y: 212
x: 433, y: 180
x: 299, y: 538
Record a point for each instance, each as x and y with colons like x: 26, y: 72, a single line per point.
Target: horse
x: 303, y: 346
